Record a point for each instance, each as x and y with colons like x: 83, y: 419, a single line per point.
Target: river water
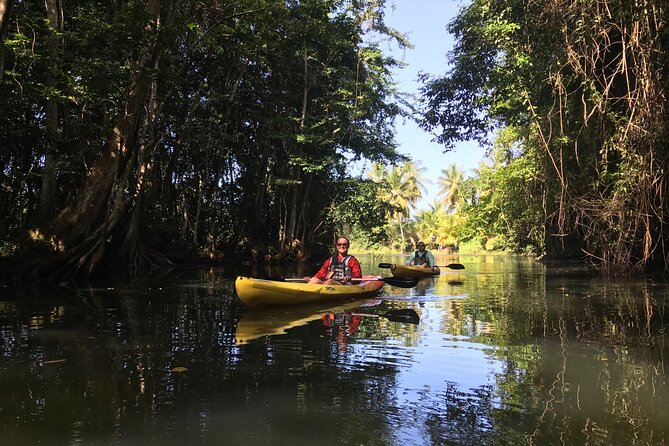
x: 507, y: 351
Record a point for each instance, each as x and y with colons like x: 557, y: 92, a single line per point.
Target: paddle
x: 404, y: 315
x: 450, y: 265
x: 400, y: 282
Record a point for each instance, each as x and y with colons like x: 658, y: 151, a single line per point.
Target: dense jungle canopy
x: 138, y: 134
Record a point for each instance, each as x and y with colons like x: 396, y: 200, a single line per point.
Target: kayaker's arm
x: 323, y: 272
x: 430, y: 258
x: 356, y: 270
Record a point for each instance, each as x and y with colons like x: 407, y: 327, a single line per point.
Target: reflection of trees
x: 582, y: 363
x: 583, y: 358
x: 117, y: 381
x: 470, y: 418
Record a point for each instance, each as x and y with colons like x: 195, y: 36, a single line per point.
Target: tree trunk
x: 46, y: 208
x: 201, y: 187
x: 5, y: 9
x: 133, y: 253
x: 291, y: 230
x: 296, y: 195
x: 101, y: 224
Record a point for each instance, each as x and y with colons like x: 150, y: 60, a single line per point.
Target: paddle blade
x: 401, y: 282
x: 405, y: 315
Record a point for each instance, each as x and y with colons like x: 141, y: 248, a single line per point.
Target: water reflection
x: 506, y: 351
x: 258, y: 322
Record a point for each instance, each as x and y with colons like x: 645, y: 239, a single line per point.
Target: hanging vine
x: 613, y: 74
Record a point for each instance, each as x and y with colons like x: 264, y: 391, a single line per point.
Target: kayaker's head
x: 421, y: 246
x: 342, y: 245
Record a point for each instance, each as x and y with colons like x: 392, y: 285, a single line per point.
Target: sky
x: 424, y: 22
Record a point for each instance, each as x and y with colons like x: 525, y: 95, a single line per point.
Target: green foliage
x: 504, y: 210
x: 491, y: 70
x: 401, y: 187
x: 259, y: 106
x: 585, y: 88
x: 437, y: 224
x: 362, y: 215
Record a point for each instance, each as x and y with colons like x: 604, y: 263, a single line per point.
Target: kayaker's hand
x: 346, y: 279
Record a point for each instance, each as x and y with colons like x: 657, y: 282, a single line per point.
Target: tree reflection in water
x: 517, y: 352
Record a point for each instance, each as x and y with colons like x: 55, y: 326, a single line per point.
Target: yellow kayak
x: 399, y: 270
x: 258, y: 292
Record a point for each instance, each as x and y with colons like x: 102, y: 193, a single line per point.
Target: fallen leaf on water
x: 179, y: 369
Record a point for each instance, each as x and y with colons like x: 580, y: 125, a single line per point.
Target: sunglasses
x: 342, y: 244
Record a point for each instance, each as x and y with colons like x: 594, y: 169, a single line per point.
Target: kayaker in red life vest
x: 340, y: 268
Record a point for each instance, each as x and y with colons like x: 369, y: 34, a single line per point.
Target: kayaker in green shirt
x: 422, y: 258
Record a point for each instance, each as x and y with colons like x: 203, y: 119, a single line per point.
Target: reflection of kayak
x: 256, y: 292
x: 413, y: 271
x: 257, y: 322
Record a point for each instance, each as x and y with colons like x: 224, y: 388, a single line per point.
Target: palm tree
x: 415, y: 176
x: 437, y: 222
x: 428, y: 222
x: 377, y: 173
x: 401, y: 186
x: 449, y: 182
